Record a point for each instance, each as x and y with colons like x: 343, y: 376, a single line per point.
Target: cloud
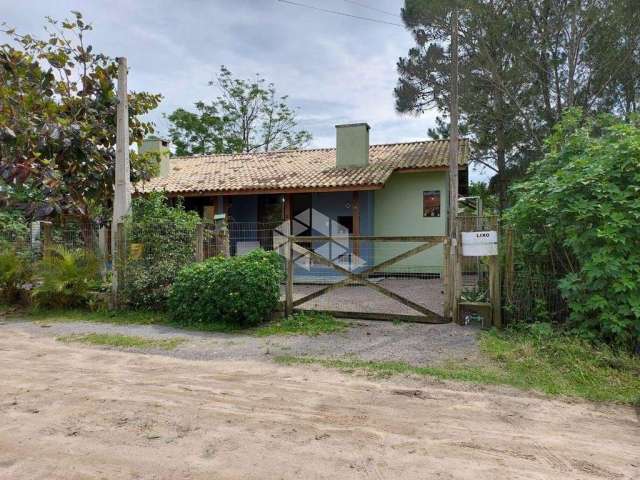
x: 335, y: 69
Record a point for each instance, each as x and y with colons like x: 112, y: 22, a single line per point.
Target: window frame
x: 433, y: 193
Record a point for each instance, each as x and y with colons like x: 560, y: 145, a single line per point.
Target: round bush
x: 237, y: 291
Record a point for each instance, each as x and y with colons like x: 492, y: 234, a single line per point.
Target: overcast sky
x: 335, y: 69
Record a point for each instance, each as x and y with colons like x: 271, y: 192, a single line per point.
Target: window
x: 346, y: 222
x: 431, y: 203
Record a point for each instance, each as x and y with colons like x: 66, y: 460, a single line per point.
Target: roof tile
x: 298, y: 169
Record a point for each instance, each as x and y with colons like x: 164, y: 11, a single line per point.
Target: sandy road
x: 70, y: 412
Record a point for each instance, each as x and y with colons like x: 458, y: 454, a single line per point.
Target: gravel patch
x: 427, y: 292
x: 413, y: 343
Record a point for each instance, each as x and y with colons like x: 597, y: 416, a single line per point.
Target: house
x: 398, y: 189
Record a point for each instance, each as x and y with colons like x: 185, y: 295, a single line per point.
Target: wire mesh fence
x: 38, y: 237
x: 530, y: 290
x: 369, y: 277
x: 350, y: 274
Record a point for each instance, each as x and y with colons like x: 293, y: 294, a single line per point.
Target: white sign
x: 479, y: 244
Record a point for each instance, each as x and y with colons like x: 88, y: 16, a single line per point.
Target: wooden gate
x: 423, y: 313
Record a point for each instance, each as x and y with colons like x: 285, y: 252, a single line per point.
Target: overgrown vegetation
x: 241, y: 290
x: 161, y: 241
x: 15, y: 272
x: 66, y: 278
x: 13, y: 226
x: 311, y: 324
x: 577, y: 216
x: 122, y: 341
x: 533, y: 357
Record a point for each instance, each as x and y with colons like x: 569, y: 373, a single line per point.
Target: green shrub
x: 67, y: 278
x: 238, y: 291
x: 165, y: 235
x: 15, y: 273
x: 578, y: 215
x: 13, y: 225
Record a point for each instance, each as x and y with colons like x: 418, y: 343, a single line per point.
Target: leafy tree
x: 58, y: 121
x: 522, y: 63
x: 248, y: 116
x: 578, y: 214
x: 202, y: 133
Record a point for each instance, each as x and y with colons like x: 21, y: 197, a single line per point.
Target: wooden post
x: 453, y: 166
x: 457, y: 275
x: 355, y: 212
x: 103, y: 248
x: 494, y: 291
x: 199, y: 242
x: 224, y: 236
x: 290, y: 267
x: 446, y: 246
x: 46, y: 238
x: 287, y: 207
x: 508, y: 265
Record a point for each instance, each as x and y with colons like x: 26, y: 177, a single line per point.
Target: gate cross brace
x: 361, y: 277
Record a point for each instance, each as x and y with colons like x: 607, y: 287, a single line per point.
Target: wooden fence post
x: 446, y: 245
x: 290, y: 267
x: 494, y: 291
x: 199, y: 242
x: 103, y: 249
x: 46, y: 238
x: 222, y: 235
x: 508, y: 265
x: 457, y: 276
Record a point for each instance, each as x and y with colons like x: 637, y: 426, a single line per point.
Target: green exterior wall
x: 398, y: 211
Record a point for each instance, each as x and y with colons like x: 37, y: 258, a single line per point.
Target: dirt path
x: 413, y: 343
x: 70, y: 412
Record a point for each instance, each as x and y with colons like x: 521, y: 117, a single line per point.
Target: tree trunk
x: 501, y: 184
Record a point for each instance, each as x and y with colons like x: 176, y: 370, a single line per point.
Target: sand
x: 78, y: 412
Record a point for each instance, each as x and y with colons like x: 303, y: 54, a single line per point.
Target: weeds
x: 122, y: 341
x: 311, y: 324
x: 532, y: 358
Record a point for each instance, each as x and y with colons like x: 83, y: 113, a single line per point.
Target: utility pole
x: 453, y: 167
x: 122, y: 188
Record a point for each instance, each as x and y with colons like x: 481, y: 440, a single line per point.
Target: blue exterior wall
x: 244, y: 209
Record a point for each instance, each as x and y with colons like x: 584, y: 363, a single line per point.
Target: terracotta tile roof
x: 312, y: 169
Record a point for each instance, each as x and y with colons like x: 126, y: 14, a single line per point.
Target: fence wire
x: 151, y: 250
x: 38, y: 237
x: 413, y: 280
